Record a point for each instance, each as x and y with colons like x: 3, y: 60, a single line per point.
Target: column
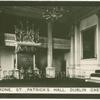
x: 72, y: 53
x: 16, y: 57
x: 35, y: 69
x: 33, y: 61
x: 50, y: 70
x: 0, y: 73
x: 98, y: 40
x: 0, y: 68
x: 78, y: 70
x: 16, y: 71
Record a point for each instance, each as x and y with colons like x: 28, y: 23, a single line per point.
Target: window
x: 88, y: 42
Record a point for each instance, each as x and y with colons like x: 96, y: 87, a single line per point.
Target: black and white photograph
x: 49, y: 49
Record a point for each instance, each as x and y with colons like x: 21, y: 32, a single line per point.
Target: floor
x: 48, y: 83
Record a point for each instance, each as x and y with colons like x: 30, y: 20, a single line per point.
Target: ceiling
x: 71, y: 13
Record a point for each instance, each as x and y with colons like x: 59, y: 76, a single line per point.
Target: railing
x: 22, y: 75
x: 30, y: 75
x: 79, y: 72
x: 39, y: 74
x: 10, y: 74
x: 60, y: 75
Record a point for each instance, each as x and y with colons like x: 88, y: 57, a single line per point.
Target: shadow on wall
x: 58, y: 59
x: 41, y: 59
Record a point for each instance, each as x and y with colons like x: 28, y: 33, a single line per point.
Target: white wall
x: 6, y: 59
x: 88, y: 66
x: 67, y: 59
x: 84, y: 67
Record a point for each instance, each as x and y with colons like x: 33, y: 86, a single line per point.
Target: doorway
x: 59, y: 63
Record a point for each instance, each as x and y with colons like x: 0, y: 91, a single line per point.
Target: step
x: 97, y: 71
x: 95, y: 75
x: 93, y: 80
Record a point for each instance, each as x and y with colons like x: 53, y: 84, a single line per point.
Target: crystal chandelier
x: 53, y: 13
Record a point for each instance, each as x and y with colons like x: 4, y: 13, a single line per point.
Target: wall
x: 41, y: 58
x: 88, y: 66
x: 58, y: 43
x: 58, y: 59
x: 84, y: 67
x: 67, y: 59
x: 25, y: 60
x: 6, y: 59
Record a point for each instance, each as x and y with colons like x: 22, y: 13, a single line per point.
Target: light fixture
x: 53, y: 13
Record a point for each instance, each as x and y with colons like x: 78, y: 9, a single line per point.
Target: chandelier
x: 53, y: 13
